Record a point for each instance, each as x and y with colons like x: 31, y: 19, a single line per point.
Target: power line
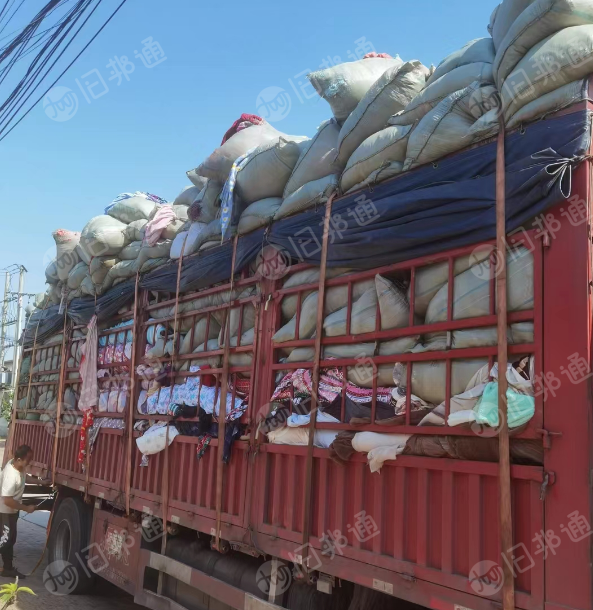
x: 16, y: 10
x: 14, y: 99
x: 34, y: 21
x: 65, y: 26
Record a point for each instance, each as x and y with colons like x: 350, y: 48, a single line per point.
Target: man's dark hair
x: 22, y: 452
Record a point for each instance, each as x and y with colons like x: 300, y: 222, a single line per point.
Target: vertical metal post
x: 315, y: 382
x: 224, y: 387
x: 61, y: 382
x: 3, y: 328
x: 17, y: 330
x: 166, y: 466
x: 504, y: 477
x: 129, y: 435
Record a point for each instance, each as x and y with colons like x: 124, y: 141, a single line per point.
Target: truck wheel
x: 69, y: 537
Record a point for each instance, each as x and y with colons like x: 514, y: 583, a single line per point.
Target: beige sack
x: 390, y: 94
x: 316, y: 159
x: 344, y: 85
x: 387, y: 146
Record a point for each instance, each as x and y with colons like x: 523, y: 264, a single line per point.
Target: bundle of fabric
x: 458, y: 121
x: 187, y: 242
x: 114, y: 395
x: 391, y: 297
x: 194, y: 392
x: 477, y: 404
x: 115, y: 348
x: 543, y: 52
x: 475, y: 448
x: 389, y: 94
x: 243, y: 122
x: 471, y: 291
x: 296, y: 388
x: 314, y: 176
x: 343, y: 86
x: 130, y: 207
x: 67, y: 255
x: 218, y: 165
x: 456, y: 72
x: 196, y: 179
x: 379, y: 157
x: 267, y: 170
x: 288, y: 421
x: 206, y: 206
x: 429, y: 377
x: 379, y: 447
x: 189, y: 194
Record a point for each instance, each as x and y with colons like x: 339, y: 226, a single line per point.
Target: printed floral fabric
x: 202, y: 445
x: 87, y: 421
x: 331, y: 383
x: 193, y: 394
x: 114, y: 353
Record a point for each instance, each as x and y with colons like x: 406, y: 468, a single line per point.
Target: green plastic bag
x: 521, y: 408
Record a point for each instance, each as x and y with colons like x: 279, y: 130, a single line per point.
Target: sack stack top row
x: 388, y: 116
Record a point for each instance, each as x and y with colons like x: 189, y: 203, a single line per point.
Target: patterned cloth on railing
x: 87, y: 421
x: 88, y: 369
x: 331, y: 383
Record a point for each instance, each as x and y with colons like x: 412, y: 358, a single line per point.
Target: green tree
x: 9, y: 593
x: 6, y: 408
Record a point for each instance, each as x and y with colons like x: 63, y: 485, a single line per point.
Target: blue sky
x: 144, y: 133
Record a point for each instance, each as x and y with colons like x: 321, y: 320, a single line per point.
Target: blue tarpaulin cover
x: 437, y: 207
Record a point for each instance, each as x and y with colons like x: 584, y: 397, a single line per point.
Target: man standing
x: 12, y: 486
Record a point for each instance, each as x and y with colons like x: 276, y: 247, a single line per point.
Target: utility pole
x: 17, y: 333
x: 3, y: 328
x: 12, y: 315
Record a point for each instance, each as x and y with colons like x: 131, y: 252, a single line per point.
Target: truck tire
x: 69, y: 537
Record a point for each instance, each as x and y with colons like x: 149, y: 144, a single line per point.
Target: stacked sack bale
x: 544, y: 50
x: 134, y: 234
x: 268, y: 158
x: 389, y: 117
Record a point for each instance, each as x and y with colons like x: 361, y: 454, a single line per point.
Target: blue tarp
x: 448, y: 205
x: 437, y: 207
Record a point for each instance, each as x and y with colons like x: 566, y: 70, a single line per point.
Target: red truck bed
x: 435, y: 518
